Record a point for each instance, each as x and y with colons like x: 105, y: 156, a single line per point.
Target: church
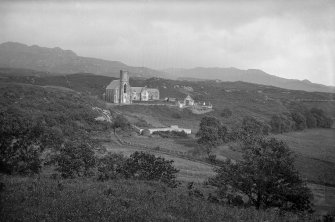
x: 120, y: 91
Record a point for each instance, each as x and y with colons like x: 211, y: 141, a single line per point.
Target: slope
x: 250, y: 75
x: 57, y: 60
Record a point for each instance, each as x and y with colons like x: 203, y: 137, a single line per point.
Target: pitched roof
x: 137, y: 89
x: 188, y: 97
x: 114, y: 84
x: 152, y: 90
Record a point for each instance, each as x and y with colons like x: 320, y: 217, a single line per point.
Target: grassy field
x: 45, y: 199
x: 314, y: 143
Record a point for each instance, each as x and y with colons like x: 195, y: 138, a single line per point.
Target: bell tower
x: 125, y: 89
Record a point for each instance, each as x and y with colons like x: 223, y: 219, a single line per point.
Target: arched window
x: 125, y: 88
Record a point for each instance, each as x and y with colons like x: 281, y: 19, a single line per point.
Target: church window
x: 125, y: 88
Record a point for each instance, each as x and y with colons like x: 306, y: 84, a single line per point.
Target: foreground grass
x: 28, y: 199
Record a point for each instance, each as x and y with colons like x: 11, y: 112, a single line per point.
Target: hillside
x: 57, y: 60
x: 242, y: 98
x: 250, y: 75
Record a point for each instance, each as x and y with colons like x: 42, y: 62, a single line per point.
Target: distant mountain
x: 250, y: 75
x: 57, y: 60
x: 53, y: 61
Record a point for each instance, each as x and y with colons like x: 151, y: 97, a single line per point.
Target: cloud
x: 292, y: 40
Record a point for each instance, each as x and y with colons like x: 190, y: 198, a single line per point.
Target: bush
x: 120, y: 122
x: 145, y: 132
x: 109, y: 166
x: 22, y: 142
x: 142, y: 123
x: 75, y: 159
x: 176, y: 115
x: 226, y: 112
x: 146, y: 166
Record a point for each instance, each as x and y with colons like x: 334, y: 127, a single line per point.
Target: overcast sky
x: 291, y: 39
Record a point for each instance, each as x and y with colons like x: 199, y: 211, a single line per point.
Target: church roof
x: 137, y: 89
x: 152, y: 90
x: 114, y: 84
x: 188, y: 97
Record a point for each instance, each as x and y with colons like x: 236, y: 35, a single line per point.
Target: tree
x: 321, y: 119
x: 146, y: 166
x: 299, y: 119
x: 281, y: 123
x: 211, y: 134
x: 120, y: 122
x: 310, y: 120
x: 251, y: 126
x: 266, y: 175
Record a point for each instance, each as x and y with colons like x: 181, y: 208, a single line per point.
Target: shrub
x: 22, y: 142
x: 146, y: 166
x: 226, y: 112
x: 109, y: 166
x: 145, y: 132
x: 142, y: 123
x: 176, y: 115
x: 75, y: 159
x: 120, y: 122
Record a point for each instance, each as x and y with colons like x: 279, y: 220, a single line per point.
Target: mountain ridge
x: 249, y: 75
x: 57, y: 60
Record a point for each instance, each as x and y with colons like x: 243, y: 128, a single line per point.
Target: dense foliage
x: 146, y: 166
x: 139, y: 165
x: 34, y: 120
x: 22, y: 142
x: 75, y: 158
x: 248, y: 129
x: 300, y: 118
x: 266, y: 175
x: 211, y: 134
x: 226, y: 112
x: 120, y: 122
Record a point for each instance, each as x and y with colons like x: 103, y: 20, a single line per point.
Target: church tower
x: 125, y: 89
